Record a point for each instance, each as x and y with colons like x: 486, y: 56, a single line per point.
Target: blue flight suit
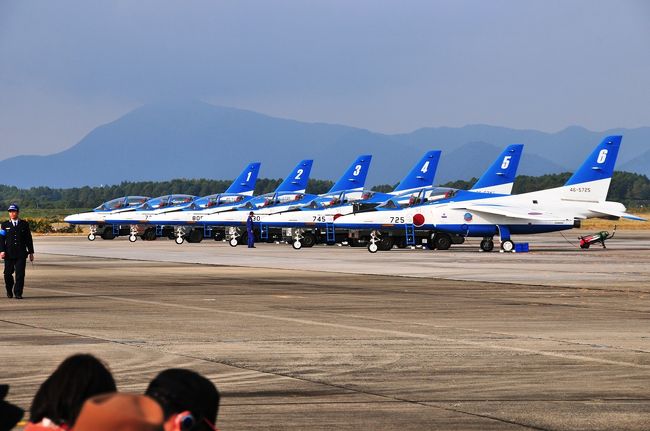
x: 249, y: 231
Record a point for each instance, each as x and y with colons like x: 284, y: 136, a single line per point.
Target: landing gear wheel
x: 91, y: 237
x: 149, y: 235
x: 487, y: 245
x: 195, y: 236
x: 308, y: 240
x: 507, y: 245
x: 133, y: 238
x: 373, y: 247
x: 442, y: 241
x: 179, y: 240
x: 108, y: 234
x: 233, y: 242
x: 385, y: 244
x: 297, y: 245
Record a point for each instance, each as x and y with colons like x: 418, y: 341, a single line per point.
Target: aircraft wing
x: 512, y: 212
x: 621, y: 214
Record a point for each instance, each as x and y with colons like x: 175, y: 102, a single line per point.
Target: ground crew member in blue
x: 15, y: 245
x: 249, y: 230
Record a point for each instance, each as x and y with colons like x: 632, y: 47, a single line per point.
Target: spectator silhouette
x: 183, y: 393
x: 10, y: 414
x: 58, y: 401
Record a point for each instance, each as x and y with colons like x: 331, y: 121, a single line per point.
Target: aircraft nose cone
x: 68, y: 219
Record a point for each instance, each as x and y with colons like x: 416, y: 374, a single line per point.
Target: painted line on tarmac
x: 395, y: 333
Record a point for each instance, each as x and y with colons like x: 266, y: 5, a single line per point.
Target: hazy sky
x: 67, y: 66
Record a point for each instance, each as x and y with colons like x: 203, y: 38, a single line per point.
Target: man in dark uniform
x: 249, y: 230
x: 15, y: 245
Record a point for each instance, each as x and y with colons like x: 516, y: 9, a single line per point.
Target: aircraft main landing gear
x: 487, y: 244
x: 133, y: 238
x: 91, y: 236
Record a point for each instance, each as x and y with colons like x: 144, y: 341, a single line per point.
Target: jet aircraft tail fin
x: 422, y: 174
x: 500, y: 176
x: 244, y: 184
x: 355, y: 177
x: 297, y: 179
x: 591, y: 181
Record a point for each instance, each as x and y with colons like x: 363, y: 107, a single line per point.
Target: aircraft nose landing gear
x: 133, y: 234
x: 372, y: 244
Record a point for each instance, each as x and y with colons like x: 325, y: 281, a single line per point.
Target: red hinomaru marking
x: 337, y: 216
x: 418, y: 219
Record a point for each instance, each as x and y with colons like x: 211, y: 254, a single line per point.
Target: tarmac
x: 338, y: 338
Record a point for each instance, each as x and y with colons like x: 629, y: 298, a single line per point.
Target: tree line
x: 629, y: 188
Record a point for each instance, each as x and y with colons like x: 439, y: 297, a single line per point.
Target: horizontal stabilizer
x: 620, y: 214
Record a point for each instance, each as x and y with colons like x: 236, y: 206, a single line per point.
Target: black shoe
x: 19, y: 297
x: 9, y: 295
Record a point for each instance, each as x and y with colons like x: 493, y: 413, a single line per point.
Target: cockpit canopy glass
x: 216, y: 200
x: 123, y: 202
x: 275, y: 199
x: 167, y: 201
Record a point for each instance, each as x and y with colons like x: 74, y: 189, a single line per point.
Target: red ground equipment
x: 600, y: 237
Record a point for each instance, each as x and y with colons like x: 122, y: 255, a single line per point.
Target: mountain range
x: 192, y: 139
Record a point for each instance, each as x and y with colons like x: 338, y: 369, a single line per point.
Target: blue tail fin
x: 591, y: 181
x: 355, y: 177
x: 600, y: 163
x: 297, y: 179
x: 244, y: 184
x: 500, y: 177
x: 422, y: 173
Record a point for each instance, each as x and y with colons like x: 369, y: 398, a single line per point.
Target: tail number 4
x: 602, y: 156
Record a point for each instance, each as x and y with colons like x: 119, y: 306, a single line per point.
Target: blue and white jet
x: 138, y: 219
x: 352, y: 182
x: 582, y: 196
x: 183, y: 219
x: 96, y: 218
x: 316, y: 221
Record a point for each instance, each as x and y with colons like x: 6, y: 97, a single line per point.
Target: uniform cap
x: 13, y: 207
